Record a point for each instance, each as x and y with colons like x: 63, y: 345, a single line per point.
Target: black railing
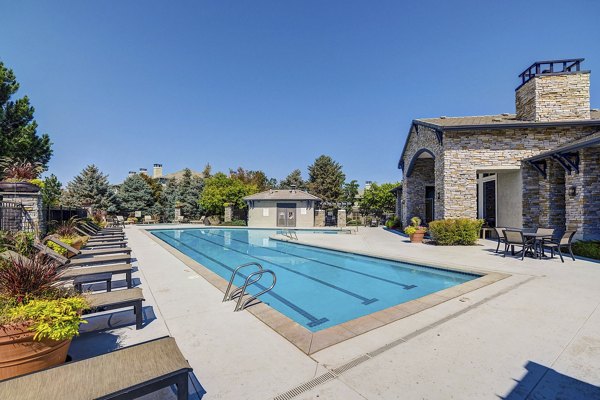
x: 14, y: 218
x: 550, y: 67
x: 56, y: 215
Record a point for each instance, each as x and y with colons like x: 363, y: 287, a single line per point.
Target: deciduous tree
x: 220, y: 189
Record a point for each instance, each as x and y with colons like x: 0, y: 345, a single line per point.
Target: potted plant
x: 415, y: 231
x: 20, y: 176
x: 66, y: 233
x: 38, y: 317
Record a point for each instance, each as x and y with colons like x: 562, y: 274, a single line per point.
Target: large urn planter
x: 19, y: 187
x: 21, y: 354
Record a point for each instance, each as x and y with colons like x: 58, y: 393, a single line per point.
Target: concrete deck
x: 532, y: 335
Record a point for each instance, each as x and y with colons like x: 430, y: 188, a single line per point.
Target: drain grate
x: 351, y: 364
x: 386, y: 347
x: 306, y: 386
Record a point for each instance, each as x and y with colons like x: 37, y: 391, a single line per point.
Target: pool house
x: 537, y: 167
x: 290, y: 208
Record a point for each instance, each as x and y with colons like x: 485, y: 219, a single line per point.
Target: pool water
x: 315, y: 287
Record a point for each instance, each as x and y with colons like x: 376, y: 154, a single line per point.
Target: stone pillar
x: 341, y: 218
x: 228, y: 213
x: 552, y: 197
x: 178, y: 213
x: 531, y: 195
x: 320, y: 218
x: 32, y: 203
x: 582, y: 210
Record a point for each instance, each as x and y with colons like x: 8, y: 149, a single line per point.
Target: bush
x: 235, y: 222
x: 21, y: 242
x: 458, y: 231
x: 587, y: 248
x: 393, y: 223
x: 73, y: 241
x: 353, y: 222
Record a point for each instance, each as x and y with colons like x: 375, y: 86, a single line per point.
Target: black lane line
x: 314, y: 321
x: 364, y: 300
x: 403, y: 285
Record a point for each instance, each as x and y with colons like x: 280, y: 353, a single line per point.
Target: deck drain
x: 351, y: 364
x: 306, y: 386
x: 386, y: 347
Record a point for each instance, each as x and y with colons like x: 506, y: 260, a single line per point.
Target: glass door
x: 286, y: 215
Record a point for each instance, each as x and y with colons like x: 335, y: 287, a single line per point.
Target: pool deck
x: 537, y: 331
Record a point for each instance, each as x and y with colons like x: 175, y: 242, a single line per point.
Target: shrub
x: 21, y: 242
x: 415, y: 225
x: 587, y: 248
x: 23, y: 278
x: 235, y: 222
x: 72, y: 241
x: 458, y: 231
x: 56, y: 319
x: 353, y: 222
x: 20, y: 170
x: 393, y: 223
x: 67, y: 228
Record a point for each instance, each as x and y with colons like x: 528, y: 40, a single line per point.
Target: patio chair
x: 87, y: 231
x: 87, y: 252
x: 565, y: 241
x: 500, y: 238
x: 126, y: 373
x: 99, y: 230
x: 117, y: 299
x: 515, y: 238
x: 79, y: 261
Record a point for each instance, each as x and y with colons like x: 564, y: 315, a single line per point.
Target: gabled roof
x: 288, y: 194
x: 499, y: 121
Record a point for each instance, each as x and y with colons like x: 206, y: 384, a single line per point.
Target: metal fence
x: 14, y: 218
x: 56, y: 215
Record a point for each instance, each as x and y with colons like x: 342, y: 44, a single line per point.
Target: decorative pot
x: 418, y: 236
x: 19, y: 187
x: 20, y: 354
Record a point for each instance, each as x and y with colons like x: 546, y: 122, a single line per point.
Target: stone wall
x: 552, y: 197
x: 554, y: 97
x: 32, y: 203
x: 590, y: 168
x: 341, y: 218
x: 320, y: 218
x: 413, y: 186
x: 466, y: 152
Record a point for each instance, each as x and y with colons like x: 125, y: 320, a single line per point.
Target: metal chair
x: 565, y: 240
x: 516, y: 238
x: 500, y: 237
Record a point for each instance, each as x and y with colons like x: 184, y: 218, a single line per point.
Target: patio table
x: 538, y: 241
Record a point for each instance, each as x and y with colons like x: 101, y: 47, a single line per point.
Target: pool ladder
x: 292, y: 235
x: 251, y: 279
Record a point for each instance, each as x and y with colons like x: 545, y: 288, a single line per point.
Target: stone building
x: 282, y: 208
x: 539, y: 167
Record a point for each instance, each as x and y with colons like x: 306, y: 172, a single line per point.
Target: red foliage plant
x: 21, y: 169
x: 23, y: 278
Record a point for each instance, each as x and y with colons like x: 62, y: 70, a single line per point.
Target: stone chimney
x: 157, y: 171
x: 144, y: 171
x: 553, y: 91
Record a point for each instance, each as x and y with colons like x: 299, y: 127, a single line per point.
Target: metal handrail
x: 240, y: 306
x: 229, y: 296
x: 288, y: 233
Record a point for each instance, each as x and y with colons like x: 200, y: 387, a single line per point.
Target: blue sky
x: 271, y: 85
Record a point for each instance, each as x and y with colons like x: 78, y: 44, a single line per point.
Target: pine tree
x: 188, y: 194
x: 18, y: 129
x: 51, y: 191
x: 135, y: 194
x: 90, y: 188
x: 168, y: 199
x: 325, y: 179
x: 293, y: 179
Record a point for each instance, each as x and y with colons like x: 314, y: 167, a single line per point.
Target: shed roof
x: 288, y: 194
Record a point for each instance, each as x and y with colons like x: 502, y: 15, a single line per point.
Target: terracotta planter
x: 19, y: 187
x: 417, y: 237
x: 20, y: 354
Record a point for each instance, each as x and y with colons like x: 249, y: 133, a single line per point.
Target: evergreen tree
x: 90, y: 188
x: 293, y: 179
x: 325, y: 179
x: 189, y: 189
x: 18, y: 129
x: 51, y: 191
x: 135, y: 194
x: 168, y: 199
x: 350, y: 192
x: 206, y: 173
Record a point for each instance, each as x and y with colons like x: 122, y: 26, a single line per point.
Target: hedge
x: 457, y: 231
x: 235, y: 222
x: 587, y: 248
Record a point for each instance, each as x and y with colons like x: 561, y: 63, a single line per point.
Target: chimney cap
x: 566, y: 66
x: 158, y: 165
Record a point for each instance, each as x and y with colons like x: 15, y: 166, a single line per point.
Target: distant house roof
x: 179, y: 174
x: 282, y: 195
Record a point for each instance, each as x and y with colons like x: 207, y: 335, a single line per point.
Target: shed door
x: 286, y: 214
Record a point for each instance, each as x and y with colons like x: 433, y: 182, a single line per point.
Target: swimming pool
x: 317, y: 288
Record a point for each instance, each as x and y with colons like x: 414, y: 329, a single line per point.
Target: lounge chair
x: 71, y: 273
x: 86, y: 231
x: 98, y: 228
x: 515, y: 238
x: 79, y: 261
x: 565, y: 241
x: 117, y: 299
x: 500, y: 238
x: 86, y: 252
x: 150, y: 220
x: 125, y: 373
